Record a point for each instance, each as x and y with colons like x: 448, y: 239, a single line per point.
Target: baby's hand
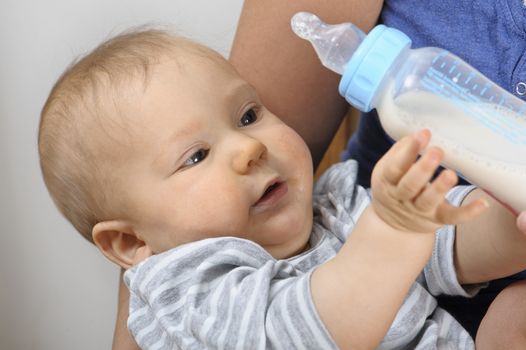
x: 403, y: 195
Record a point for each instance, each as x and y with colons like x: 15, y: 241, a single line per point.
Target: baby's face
x: 211, y: 161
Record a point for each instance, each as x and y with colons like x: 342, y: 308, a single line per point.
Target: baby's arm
x: 491, y: 246
x: 359, y: 292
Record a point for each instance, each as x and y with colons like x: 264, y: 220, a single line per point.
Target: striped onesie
x: 229, y: 293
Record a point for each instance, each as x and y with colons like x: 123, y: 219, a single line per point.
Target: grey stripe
x: 229, y: 293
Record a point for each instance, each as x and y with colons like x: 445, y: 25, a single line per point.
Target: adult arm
x: 291, y: 81
x: 122, y: 339
x: 491, y: 246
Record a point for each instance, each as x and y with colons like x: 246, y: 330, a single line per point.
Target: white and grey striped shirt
x: 229, y: 293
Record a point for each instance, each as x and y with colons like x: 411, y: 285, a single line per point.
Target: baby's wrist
x: 415, y: 246
x: 395, y: 224
x: 404, y: 222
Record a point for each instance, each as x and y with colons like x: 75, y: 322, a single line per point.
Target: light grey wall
x: 56, y: 291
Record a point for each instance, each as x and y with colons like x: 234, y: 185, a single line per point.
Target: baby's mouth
x: 272, y: 194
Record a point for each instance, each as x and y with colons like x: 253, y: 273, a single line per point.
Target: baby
x: 159, y: 153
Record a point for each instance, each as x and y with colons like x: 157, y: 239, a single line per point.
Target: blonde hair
x: 75, y: 165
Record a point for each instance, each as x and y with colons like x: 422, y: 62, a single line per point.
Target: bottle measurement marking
x: 439, y: 56
x: 470, y: 76
x: 463, y: 93
x: 446, y: 69
x: 456, y: 79
x: 484, y: 117
x: 440, y: 83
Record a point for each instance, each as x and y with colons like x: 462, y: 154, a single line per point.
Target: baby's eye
x: 196, y: 157
x: 249, y: 117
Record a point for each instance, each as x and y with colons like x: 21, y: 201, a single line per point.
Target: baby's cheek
x: 291, y: 141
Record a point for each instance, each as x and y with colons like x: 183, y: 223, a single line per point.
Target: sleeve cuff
x: 440, y: 273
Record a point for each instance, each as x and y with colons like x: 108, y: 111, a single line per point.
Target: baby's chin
x: 292, y: 253
x: 295, y: 247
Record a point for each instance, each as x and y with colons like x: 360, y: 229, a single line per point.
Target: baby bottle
x: 480, y: 126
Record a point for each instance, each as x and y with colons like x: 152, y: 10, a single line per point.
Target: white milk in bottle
x: 480, y: 126
x: 490, y: 160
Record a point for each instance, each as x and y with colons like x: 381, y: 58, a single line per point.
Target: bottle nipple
x: 334, y: 44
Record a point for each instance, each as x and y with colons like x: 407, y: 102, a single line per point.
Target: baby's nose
x: 249, y: 152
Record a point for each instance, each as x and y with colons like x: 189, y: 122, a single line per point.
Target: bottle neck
x: 369, y: 65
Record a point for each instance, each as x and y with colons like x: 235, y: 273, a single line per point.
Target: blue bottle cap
x: 369, y: 64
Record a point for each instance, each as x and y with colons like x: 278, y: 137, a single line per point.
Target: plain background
x: 56, y: 290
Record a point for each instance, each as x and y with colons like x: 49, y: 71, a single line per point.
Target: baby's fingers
x: 414, y: 184
x: 449, y: 214
x: 433, y: 195
x: 397, y: 161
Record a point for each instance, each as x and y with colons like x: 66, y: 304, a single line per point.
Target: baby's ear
x: 119, y: 243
